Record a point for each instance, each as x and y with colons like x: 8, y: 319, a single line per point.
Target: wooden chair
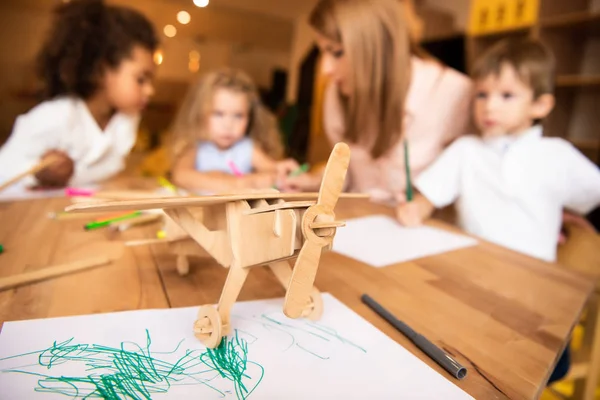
x: 582, y: 253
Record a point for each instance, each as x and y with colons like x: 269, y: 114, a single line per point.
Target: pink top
x: 437, y: 112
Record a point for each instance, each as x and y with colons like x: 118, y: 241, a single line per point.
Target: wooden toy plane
x: 245, y: 230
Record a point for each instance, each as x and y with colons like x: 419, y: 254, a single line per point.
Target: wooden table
x: 32, y: 241
x: 505, y: 316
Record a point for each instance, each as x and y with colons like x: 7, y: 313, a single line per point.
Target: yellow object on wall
x: 489, y: 16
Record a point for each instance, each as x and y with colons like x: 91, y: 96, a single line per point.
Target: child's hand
x: 285, y: 167
x: 409, y: 214
x: 262, y: 180
x: 305, y: 182
x: 58, y: 173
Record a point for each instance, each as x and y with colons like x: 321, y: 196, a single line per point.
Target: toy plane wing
x: 199, y: 201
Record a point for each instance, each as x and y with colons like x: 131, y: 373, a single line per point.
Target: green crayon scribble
x: 133, y: 372
x: 318, y: 332
x: 230, y: 360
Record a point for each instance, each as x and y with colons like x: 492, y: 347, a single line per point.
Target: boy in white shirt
x: 510, y: 184
x: 97, y: 67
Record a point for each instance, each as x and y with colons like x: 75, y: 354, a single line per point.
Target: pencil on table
x: 63, y: 215
x: 51, y: 272
x: 107, y: 222
x: 143, y: 219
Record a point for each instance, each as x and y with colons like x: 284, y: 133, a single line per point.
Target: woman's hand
x: 58, y: 173
x: 285, y: 167
x: 287, y: 181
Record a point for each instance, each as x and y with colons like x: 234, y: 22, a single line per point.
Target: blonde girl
x: 225, y: 138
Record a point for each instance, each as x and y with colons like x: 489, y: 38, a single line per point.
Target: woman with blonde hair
x: 383, y: 90
x: 224, y: 138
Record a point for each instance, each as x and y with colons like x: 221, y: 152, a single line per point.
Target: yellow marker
x: 161, y: 234
x: 164, y: 182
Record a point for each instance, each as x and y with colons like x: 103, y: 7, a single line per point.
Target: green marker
x: 302, y: 169
x: 107, y: 222
x: 1, y: 249
x: 409, y: 189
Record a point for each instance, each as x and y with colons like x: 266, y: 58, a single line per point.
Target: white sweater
x: 66, y: 124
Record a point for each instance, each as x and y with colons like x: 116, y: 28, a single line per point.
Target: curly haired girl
x: 97, y: 69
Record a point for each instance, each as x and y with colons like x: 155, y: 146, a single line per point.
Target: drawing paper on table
x: 380, y: 241
x: 153, y: 354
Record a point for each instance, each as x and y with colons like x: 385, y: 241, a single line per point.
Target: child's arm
x: 582, y: 182
x: 30, y: 143
x: 439, y: 185
x: 186, y: 176
x: 261, y: 162
x: 414, y: 212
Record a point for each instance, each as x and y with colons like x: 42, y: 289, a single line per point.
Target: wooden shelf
x: 521, y: 30
x: 577, y: 80
x: 582, y: 20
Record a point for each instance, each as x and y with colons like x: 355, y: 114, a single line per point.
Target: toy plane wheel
x: 207, y: 327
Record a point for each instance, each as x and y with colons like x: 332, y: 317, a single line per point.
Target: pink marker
x: 73, y: 192
x: 234, y: 169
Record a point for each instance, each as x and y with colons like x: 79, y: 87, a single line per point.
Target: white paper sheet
x: 153, y: 354
x: 380, y: 241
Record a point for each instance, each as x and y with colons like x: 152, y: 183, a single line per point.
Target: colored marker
x: 409, y: 189
x: 141, y: 220
x: 302, y: 169
x: 102, y: 224
x: 72, y: 192
x: 164, y: 182
x: 1, y: 249
x: 111, y: 217
x: 63, y: 215
x: 299, y: 171
x: 234, y: 169
x: 437, y: 354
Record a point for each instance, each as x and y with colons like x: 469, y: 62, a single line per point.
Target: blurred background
x: 272, y: 41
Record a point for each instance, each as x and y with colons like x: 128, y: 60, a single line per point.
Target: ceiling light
x: 170, y: 31
x: 200, y: 3
x: 194, y: 65
x: 158, y: 57
x: 194, y: 55
x: 183, y: 17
